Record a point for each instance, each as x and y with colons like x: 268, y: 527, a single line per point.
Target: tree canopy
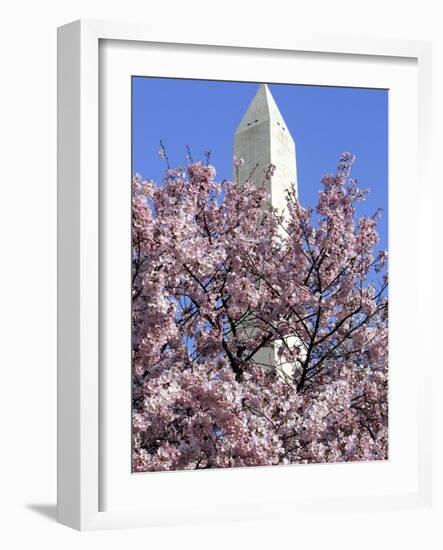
x: 219, y: 276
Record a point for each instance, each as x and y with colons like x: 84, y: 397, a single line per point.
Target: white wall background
x: 28, y: 269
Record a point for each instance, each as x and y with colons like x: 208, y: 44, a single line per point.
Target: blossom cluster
x: 221, y: 281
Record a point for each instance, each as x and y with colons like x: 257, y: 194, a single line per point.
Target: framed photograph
x: 229, y: 347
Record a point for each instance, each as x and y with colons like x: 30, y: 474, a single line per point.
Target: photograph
x: 259, y: 274
x: 221, y: 275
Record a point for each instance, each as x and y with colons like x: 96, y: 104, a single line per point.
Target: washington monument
x: 262, y: 139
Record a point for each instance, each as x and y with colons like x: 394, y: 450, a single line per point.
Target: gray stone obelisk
x: 262, y: 139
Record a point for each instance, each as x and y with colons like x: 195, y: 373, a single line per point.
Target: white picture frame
x: 83, y: 398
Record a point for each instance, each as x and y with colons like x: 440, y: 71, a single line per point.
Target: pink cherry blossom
x: 219, y: 277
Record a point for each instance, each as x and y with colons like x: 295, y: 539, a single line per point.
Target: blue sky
x: 324, y: 122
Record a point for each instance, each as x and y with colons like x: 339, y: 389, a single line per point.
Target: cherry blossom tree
x: 218, y: 275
